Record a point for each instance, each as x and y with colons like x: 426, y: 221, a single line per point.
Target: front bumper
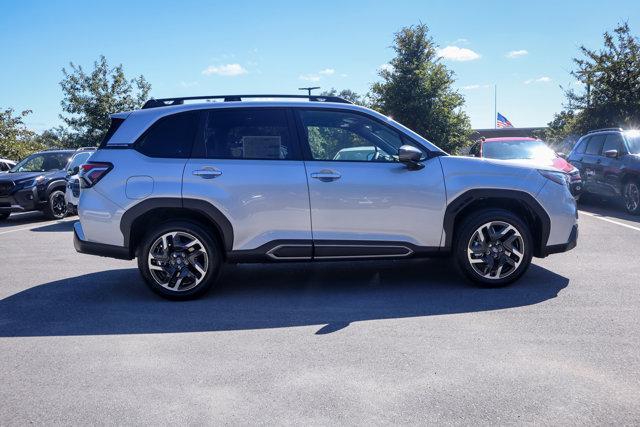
x: 100, y: 249
x: 573, y: 241
x: 20, y: 201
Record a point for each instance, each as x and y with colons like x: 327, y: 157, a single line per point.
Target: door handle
x: 207, y: 173
x: 326, y: 175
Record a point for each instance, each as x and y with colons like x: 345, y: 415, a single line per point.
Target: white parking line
x: 610, y: 220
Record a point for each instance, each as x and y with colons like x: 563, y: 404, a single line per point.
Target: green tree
x: 347, y: 94
x: 89, y: 99
x: 417, y: 91
x: 609, y: 94
x: 16, y: 141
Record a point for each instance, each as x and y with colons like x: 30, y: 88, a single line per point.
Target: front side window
x: 42, y: 162
x: 582, y: 146
x: 248, y: 134
x: 344, y: 136
x: 594, y: 147
x: 78, y: 160
x: 170, y: 137
x: 612, y: 142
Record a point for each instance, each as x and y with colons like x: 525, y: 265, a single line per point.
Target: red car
x: 529, y: 150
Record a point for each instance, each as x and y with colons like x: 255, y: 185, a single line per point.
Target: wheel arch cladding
x: 58, y: 184
x: 155, y: 210
x: 518, y: 202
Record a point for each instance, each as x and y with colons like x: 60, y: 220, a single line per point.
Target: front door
x: 363, y: 201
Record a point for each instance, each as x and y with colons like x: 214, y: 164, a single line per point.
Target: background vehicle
x: 36, y: 183
x: 527, y: 150
x: 6, y: 164
x: 185, y: 188
x: 609, y: 161
x: 72, y: 192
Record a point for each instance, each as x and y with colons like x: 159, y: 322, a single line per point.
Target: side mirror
x: 562, y: 155
x: 410, y: 156
x: 74, y: 171
x: 612, y: 154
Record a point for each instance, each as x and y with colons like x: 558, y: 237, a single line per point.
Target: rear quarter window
x: 170, y: 137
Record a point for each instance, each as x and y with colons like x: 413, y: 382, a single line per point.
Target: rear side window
x: 170, y: 137
x: 248, y: 134
x: 595, y: 144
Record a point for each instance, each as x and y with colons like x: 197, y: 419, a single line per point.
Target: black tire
x: 211, y: 247
x: 466, y: 231
x: 631, y: 197
x: 4, y: 215
x: 56, y: 207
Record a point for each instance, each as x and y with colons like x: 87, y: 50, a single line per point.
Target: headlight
x: 557, y: 177
x: 32, y: 182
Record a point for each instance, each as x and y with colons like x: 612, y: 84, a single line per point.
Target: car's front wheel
x: 56, y: 207
x: 493, y: 247
x: 631, y: 196
x: 179, y: 260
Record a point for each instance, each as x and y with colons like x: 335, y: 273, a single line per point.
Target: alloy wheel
x: 178, y: 261
x: 631, y: 196
x: 58, y: 205
x: 495, y: 250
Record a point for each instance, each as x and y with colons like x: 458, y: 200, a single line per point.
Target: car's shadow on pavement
x: 606, y: 206
x: 330, y: 295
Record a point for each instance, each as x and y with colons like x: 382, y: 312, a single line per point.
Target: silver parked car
x: 186, y: 187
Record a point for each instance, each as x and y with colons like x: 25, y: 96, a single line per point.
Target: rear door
x: 247, y: 164
x: 370, y: 204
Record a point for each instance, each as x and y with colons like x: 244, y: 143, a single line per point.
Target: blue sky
x: 219, y: 47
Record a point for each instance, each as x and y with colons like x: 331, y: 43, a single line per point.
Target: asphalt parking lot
x: 82, y: 341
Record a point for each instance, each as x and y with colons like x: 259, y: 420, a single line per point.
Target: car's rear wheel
x: 56, y: 207
x: 631, y: 197
x: 4, y: 215
x: 179, y: 260
x: 493, y: 247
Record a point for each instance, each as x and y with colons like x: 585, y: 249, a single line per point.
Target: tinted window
x: 581, y: 147
x: 475, y: 150
x: 595, y: 144
x: 613, y: 142
x: 343, y: 136
x: 248, y: 134
x: 3, y: 166
x: 170, y: 137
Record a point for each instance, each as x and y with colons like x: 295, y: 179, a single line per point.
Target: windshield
x: 515, y: 149
x: 78, y: 160
x: 42, y: 162
x: 633, y: 141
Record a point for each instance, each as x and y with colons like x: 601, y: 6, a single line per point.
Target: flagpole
x: 495, y: 106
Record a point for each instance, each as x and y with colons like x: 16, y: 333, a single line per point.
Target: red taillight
x: 93, y: 172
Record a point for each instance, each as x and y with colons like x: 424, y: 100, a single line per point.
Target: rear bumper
x: 100, y: 249
x: 573, y: 241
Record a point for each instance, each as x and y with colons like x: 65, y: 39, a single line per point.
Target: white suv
x: 186, y: 187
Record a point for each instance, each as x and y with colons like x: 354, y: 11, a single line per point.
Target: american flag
x: 502, y: 122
